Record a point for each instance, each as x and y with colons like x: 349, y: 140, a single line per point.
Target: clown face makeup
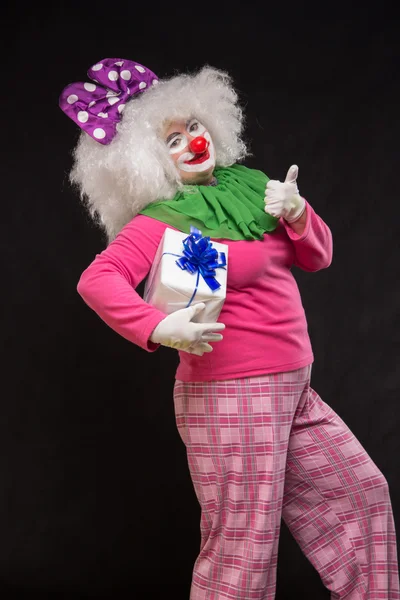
x: 191, y: 148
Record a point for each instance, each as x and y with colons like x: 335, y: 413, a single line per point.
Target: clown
x: 261, y: 444
x: 192, y: 150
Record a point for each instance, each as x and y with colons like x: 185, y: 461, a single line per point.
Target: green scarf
x: 233, y: 209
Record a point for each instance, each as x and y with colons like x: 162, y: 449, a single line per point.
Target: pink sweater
x: 266, y: 328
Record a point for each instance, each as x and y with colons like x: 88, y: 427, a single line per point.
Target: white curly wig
x: 118, y: 180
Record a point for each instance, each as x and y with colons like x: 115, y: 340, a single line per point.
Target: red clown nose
x: 198, y: 145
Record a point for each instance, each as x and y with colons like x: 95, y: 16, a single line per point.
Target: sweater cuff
x: 151, y: 324
x: 292, y: 234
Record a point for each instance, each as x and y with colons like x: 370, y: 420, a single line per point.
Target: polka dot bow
x: 97, y: 107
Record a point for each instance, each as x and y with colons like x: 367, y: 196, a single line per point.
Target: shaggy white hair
x: 118, y: 180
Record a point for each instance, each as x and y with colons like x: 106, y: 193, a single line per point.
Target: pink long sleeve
x: 108, y: 284
x: 314, y: 248
x: 263, y: 313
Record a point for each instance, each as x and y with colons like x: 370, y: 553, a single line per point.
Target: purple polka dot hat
x: 97, y: 107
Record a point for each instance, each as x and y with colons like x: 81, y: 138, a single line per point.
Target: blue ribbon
x: 200, y: 257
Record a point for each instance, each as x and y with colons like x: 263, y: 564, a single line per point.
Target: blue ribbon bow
x: 200, y: 257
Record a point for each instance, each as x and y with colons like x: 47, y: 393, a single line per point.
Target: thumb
x: 194, y: 310
x: 292, y: 174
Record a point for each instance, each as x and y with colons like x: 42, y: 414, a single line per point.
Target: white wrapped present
x: 201, y: 276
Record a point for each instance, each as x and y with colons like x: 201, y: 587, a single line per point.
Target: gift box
x: 188, y: 270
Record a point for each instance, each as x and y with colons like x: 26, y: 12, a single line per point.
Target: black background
x: 95, y: 495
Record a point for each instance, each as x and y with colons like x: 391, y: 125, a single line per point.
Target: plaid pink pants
x: 262, y: 448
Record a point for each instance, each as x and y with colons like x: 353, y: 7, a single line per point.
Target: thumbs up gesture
x: 283, y: 199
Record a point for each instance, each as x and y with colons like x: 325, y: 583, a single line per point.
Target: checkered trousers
x: 262, y: 448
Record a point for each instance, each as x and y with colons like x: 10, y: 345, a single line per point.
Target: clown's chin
x: 203, y: 177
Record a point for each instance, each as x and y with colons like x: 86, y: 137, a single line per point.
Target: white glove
x: 177, y: 331
x: 283, y: 199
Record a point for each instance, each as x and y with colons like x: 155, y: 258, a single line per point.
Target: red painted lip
x: 199, y: 158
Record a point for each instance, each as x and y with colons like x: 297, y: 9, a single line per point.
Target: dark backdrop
x: 95, y: 495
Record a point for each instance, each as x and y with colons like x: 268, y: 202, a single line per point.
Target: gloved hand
x: 283, y: 199
x: 177, y: 331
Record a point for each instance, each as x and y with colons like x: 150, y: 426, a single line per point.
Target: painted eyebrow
x: 172, y: 135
